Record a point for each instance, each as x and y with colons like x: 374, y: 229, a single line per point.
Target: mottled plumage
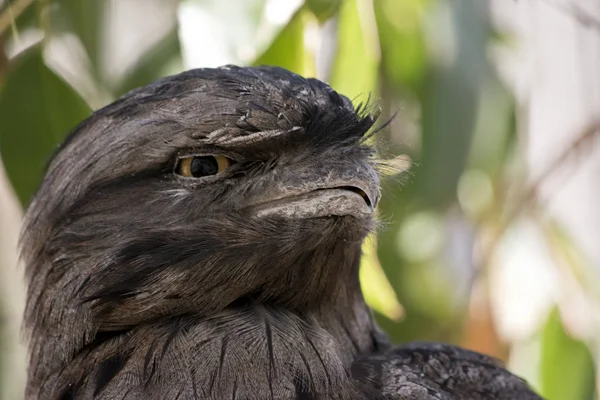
x: 144, y: 284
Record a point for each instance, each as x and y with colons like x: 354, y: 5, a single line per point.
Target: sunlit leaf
x: 288, y: 48
x: 567, y: 367
x: 354, y: 72
x: 378, y: 292
x: 37, y: 109
x: 323, y: 9
x: 403, y: 53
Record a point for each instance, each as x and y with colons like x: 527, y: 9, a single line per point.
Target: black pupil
x: 204, y: 166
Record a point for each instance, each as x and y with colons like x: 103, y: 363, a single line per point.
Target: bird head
x: 197, y: 192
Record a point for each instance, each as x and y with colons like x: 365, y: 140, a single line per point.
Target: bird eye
x: 199, y: 166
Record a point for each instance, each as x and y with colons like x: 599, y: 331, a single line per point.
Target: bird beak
x: 331, y: 194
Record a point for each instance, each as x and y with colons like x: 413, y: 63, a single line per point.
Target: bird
x: 200, y: 238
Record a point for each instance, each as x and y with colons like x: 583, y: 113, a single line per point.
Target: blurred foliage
x: 288, y: 49
x: 34, y: 126
x: 356, y: 40
x: 567, y: 364
x: 323, y: 9
x: 424, y: 61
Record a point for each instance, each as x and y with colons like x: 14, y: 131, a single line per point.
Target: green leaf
x: 376, y: 288
x: 494, y: 138
x: 85, y: 19
x: 37, y: 109
x: 403, y: 52
x: 450, y: 97
x: 354, y: 72
x: 153, y: 64
x: 287, y: 49
x: 323, y: 9
x: 567, y: 367
x: 28, y: 18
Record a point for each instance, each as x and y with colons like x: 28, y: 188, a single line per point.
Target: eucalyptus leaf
x: 153, y: 64
x: 323, y: 9
x: 86, y: 19
x: 287, y: 50
x: 450, y: 97
x: 354, y: 72
x: 403, y: 51
x: 567, y: 366
x: 37, y: 110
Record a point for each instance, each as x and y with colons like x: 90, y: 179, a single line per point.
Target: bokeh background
x: 490, y: 234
